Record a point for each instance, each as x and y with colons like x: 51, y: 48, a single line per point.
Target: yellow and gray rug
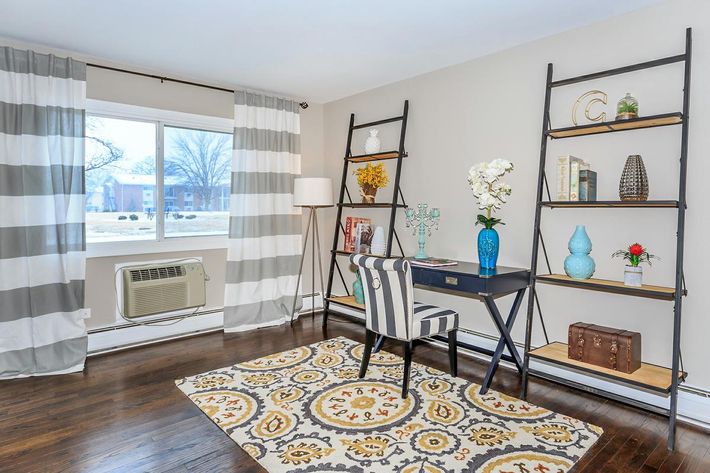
x: 305, y: 410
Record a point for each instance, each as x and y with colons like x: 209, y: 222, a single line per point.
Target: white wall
x: 146, y: 92
x: 492, y: 107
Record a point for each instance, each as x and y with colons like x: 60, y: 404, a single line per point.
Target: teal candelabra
x: 422, y: 221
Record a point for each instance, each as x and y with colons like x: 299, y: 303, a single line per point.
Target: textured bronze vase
x: 634, y: 181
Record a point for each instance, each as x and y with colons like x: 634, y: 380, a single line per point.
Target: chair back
x: 389, y: 294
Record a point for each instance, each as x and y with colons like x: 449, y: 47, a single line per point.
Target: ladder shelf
x: 393, y: 205
x: 652, y: 378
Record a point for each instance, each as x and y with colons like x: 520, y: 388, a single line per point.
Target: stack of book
x: 358, y: 235
x: 575, y: 180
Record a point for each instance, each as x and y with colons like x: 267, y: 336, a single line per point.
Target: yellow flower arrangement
x: 372, y: 176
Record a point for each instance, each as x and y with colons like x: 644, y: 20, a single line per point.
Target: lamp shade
x: 313, y: 192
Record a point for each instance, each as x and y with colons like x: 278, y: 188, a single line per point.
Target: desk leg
x: 378, y: 343
x: 505, y: 339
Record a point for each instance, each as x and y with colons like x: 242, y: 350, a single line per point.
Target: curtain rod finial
x: 303, y: 105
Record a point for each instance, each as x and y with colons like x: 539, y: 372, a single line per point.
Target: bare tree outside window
x: 202, y: 159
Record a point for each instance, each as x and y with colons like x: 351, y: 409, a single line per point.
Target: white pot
x: 377, y: 247
x: 372, y: 143
x: 633, y: 276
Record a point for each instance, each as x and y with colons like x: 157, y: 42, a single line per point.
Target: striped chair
x: 391, y: 311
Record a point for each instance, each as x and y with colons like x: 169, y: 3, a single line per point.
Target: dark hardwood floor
x: 124, y: 413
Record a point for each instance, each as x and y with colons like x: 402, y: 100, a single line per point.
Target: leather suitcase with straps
x: 611, y: 348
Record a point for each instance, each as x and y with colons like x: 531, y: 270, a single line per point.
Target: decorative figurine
x: 422, y: 220
x: 372, y: 143
x: 599, y: 118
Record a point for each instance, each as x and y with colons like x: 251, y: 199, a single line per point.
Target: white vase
x: 377, y: 246
x: 372, y: 143
x: 633, y: 276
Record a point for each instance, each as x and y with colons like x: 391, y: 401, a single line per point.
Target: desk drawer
x: 445, y: 280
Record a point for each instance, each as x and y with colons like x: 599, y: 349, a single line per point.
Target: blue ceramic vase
x: 579, y: 265
x: 488, y: 245
x: 357, y: 290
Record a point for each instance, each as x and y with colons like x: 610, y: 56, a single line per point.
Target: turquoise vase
x: 357, y: 290
x: 579, y: 265
x: 488, y: 245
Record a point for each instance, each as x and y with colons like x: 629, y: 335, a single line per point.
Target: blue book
x: 587, y: 185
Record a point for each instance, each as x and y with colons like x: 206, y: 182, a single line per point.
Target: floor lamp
x: 311, y: 193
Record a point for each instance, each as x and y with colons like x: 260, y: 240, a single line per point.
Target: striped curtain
x: 42, y: 238
x: 264, y: 226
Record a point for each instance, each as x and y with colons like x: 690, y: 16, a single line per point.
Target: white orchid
x: 491, y: 192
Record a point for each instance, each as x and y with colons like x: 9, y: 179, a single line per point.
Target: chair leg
x: 407, y: 368
x: 369, y: 342
x: 453, y: 353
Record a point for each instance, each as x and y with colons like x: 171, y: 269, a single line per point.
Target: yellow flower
x: 372, y: 175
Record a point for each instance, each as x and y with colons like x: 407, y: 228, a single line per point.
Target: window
x: 154, y: 175
x: 197, y: 172
x: 120, y: 179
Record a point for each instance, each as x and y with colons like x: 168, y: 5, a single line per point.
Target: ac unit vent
x: 160, y: 288
x: 162, y: 272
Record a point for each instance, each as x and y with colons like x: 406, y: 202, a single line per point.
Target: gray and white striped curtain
x: 264, y: 226
x: 42, y: 237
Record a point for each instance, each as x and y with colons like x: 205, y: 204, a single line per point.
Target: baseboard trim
x: 112, y: 338
x: 693, y: 403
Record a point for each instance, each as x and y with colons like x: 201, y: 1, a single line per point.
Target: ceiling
x: 319, y: 50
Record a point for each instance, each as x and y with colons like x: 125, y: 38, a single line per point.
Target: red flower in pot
x: 635, y: 254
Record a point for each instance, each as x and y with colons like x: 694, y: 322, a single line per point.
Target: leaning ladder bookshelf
x: 649, y: 378
x: 392, y: 206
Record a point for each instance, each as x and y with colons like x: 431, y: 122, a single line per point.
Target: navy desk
x: 470, y: 280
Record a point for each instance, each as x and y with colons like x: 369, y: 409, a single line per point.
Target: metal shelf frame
x: 679, y: 290
x: 397, y: 201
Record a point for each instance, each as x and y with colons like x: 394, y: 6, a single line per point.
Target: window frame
x: 161, y: 118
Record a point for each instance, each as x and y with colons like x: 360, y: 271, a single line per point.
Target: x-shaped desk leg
x: 505, y: 339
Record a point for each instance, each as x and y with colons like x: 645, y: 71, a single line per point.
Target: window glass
x: 120, y: 179
x: 197, y: 172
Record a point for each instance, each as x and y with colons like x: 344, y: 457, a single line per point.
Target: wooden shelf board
x: 618, y: 125
x: 348, y: 301
x: 606, y: 285
x: 611, y: 203
x: 377, y: 205
x: 648, y: 376
x: 363, y: 158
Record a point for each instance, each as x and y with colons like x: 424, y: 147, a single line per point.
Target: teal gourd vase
x: 579, y: 265
x: 358, y: 291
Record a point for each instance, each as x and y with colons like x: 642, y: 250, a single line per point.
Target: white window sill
x: 143, y: 247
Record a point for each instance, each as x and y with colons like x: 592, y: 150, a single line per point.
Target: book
x: 363, y: 237
x: 587, y: 185
x: 432, y: 262
x: 574, y: 180
x: 350, y: 232
x: 565, y: 173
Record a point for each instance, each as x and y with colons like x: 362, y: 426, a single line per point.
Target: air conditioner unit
x: 159, y: 288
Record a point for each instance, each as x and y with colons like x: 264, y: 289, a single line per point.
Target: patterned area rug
x: 305, y: 410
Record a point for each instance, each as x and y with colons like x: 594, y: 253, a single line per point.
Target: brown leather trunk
x: 608, y: 347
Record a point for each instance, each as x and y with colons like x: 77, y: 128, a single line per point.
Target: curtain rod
x: 303, y: 105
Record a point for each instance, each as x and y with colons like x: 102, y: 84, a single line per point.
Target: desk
x: 470, y: 280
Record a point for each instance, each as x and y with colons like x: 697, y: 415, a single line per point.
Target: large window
x: 155, y: 179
